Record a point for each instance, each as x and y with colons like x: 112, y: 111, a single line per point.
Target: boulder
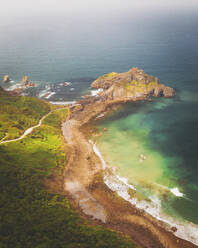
x: 168, y: 92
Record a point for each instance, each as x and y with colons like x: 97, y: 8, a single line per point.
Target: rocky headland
x: 83, y: 176
x: 115, y: 88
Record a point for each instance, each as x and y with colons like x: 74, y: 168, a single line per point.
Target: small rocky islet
x: 133, y: 84
x: 25, y: 83
x: 115, y: 88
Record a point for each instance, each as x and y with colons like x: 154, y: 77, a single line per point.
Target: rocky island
x: 132, y: 85
x: 84, y: 174
x: 115, y: 88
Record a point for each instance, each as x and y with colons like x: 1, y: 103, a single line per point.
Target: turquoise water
x: 78, y: 49
x: 144, y: 144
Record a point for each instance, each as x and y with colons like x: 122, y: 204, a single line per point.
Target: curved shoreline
x: 83, y: 181
x: 187, y: 231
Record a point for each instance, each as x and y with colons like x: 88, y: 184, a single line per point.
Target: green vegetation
x: 19, y: 113
x: 31, y: 216
x: 109, y: 75
x: 139, y: 87
x: 136, y: 87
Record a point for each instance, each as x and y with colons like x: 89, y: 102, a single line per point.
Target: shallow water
x: 144, y: 143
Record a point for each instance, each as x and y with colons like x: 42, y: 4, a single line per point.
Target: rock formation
x: 134, y: 85
x: 130, y: 86
x: 6, y: 79
x: 25, y: 82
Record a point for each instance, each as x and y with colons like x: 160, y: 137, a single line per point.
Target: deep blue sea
x: 56, y: 49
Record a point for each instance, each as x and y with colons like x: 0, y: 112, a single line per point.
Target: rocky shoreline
x: 83, y: 176
x: 25, y: 83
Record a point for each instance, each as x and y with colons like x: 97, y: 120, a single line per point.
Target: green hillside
x: 30, y: 216
x: 18, y: 113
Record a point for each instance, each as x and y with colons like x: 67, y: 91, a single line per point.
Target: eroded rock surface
x: 131, y: 86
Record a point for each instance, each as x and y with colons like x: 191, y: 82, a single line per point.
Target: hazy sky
x: 73, y: 6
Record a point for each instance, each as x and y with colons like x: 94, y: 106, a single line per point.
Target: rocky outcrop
x: 131, y: 85
x: 26, y: 83
x: 6, y: 79
x: 168, y: 92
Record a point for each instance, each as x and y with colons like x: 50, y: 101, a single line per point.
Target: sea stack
x: 6, y: 79
x: 25, y: 81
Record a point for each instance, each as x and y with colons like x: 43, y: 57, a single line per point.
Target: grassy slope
x: 138, y: 87
x: 30, y: 216
x: 19, y: 113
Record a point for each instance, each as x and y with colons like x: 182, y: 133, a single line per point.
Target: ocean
x: 151, y: 145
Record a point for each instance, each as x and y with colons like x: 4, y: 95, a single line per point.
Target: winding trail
x: 30, y: 129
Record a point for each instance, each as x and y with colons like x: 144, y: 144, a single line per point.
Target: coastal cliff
x: 115, y: 88
x: 131, y: 85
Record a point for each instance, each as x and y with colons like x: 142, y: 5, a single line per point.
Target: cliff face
x: 131, y: 85
x: 116, y: 88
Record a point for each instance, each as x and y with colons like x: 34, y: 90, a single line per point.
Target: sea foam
x: 50, y: 94
x: 185, y: 230
x: 96, y: 92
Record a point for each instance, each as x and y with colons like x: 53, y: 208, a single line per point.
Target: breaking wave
x: 120, y: 185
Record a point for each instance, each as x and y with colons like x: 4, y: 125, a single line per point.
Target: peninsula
x: 84, y: 173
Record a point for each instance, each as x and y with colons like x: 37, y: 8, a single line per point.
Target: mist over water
x: 77, y: 48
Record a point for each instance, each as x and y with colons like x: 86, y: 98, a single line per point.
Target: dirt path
x: 29, y: 130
